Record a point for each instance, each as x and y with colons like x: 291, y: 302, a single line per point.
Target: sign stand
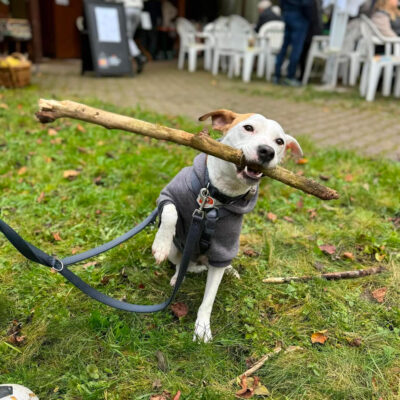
x: 106, y: 49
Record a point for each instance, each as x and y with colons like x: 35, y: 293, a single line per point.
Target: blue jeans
x: 296, y: 27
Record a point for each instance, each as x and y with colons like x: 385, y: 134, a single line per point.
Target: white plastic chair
x: 329, y: 48
x: 189, y: 45
x: 270, y: 39
x: 376, y: 64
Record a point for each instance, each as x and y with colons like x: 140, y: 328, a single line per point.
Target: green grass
x: 76, y: 348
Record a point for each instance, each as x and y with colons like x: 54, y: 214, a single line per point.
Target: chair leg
x: 232, y: 65
x: 374, y: 74
x: 364, y: 80
x: 181, y: 58
x: 397, y: 82
x: 261, y: 64
x: 307, y: 71
x: 387, y: 80
x: 248, y: 63
x: 354, y: 71
x: 215, y: 64
x: 192, y: 60
x: 207, y: 59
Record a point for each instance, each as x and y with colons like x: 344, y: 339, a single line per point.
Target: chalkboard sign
x: 108, y: 40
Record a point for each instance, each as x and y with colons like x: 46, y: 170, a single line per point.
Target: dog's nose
x: 265, y: 153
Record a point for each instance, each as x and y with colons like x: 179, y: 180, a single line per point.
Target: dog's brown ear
x: 293, y: 144
x: 221, y: 119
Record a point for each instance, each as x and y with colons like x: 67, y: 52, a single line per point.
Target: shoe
x: 140, y: 61
x: 291, y: 82
x: 276, y: 80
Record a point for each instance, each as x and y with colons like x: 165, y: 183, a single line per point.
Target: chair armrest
x: 320, y: 38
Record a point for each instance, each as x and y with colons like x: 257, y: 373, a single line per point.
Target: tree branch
x: 329, y: 276
x: 50, y: 110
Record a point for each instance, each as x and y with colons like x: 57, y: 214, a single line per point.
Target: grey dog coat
x: 224, y: 244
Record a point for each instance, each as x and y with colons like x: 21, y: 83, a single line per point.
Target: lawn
x: 75, y: 348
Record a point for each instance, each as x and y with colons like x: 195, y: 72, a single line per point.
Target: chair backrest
x: 352, y: 36
x: 338, y: 29
x: 238, y: 23
x: 186, y: 31
x: 273, y: 31
x: 376, y: 34
x: 368, y: 29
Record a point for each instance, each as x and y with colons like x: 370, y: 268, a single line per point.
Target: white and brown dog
x: 263, y: 142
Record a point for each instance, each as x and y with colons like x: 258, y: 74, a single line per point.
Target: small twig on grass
x: 50, y: 110
x: 329, y: 276
x: 258, y: 364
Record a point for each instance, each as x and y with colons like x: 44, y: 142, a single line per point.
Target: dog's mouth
x: 249, y: 173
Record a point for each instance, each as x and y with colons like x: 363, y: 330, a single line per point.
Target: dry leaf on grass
x: 288, y: 219
x: 250, y: 253
x: 4, y: 106
x: 52, y: 132
x: 163, y: 396
x: 328, y: 248
x: 319, y: 337
x: 302, y: 161
x: 71, y: 174
x: 80, y: 128
x: 348, y: 255
x: 57, y: 236
x: 40, y: 197
x: 22, y: 170
x: 89, y: 264
x: 272, y: 217
x: 348, y: 178
x: 179, y: 309
x: 312, y: 213
x: 379, y: 294
x: 251, y: 387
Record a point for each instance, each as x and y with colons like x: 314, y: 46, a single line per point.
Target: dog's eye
x: 280, y: 141
x: 248, y: 128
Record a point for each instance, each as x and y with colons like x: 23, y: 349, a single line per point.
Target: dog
x: 233, y: 190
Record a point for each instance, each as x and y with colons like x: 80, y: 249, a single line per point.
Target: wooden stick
x: 50, y: 110
x: 329, y: 276
x: 258, y: 364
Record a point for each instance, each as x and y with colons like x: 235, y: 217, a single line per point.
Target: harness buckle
x: 60, y: 263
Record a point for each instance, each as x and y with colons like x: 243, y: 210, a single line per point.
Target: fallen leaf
x: 98, y: 181
x: 328, y: 248
x: 71, y: 174
x: 302, y: 161
x: 52, y: 132
x: 57, y: 140
x: 319, y: 337
x: 48, y: 160
x: 379, y: 294
x: 366, y: 186
x: 100, y: 143
x: 89, y: 264
x: 156, y: 384
x: 179, y: 309
x: 288, y: 219
x: 105, y: 279
x: 41, y: 197
x: 83, y: 150
x: 161, y: 361
x: 80, y: 128
x: 300, y: 204
x: 324, y: 177
x: 272, y: 217
x: 177, y: 396
x: 355, y: 342
x: 98, y: 212
x: 22, y: 170
x: 163, y: 396
x: 348, y: 178
x: 348, y: 255
x: 250, y: 253
x: 245, y: 392
x: 379, y: 257
x: 4, y: 106
x: 141, y: 286
x: 16, y: 339
x: 312, y: 213
x: 57, y: 236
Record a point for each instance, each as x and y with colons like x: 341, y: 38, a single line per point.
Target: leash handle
x: 36, y: 255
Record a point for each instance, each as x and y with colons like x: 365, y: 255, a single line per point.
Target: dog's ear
x: 221, y: 119
x: 293, y: 144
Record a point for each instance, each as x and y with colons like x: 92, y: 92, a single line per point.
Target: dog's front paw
x: 202, y: 331
x: 161, y: 248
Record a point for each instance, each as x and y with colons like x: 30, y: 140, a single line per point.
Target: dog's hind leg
x: 202, y: 330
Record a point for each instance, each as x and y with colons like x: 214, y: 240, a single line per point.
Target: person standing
x: 133, y: 10
x: 296, y: 15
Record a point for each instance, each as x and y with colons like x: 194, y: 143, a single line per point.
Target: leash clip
x: 202, y: 200
x: 61, y: 265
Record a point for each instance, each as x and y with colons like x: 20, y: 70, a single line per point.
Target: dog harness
x: 224, y: 214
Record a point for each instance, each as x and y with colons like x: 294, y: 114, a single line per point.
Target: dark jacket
x: 266, y: 15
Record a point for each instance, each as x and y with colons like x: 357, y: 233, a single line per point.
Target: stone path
x: 368, y: 129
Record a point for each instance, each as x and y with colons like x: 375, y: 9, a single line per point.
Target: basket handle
x: 19, y: 56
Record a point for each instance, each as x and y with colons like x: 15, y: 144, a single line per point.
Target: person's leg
x: 299, y: 33
x: 282, y: 54
x: 131, y: 26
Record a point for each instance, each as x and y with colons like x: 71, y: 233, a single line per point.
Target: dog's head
x: 262, y: 140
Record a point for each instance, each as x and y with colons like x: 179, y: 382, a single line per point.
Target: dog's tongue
x: 252, y: 173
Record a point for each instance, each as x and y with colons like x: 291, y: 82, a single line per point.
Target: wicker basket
x: 16, y: 76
